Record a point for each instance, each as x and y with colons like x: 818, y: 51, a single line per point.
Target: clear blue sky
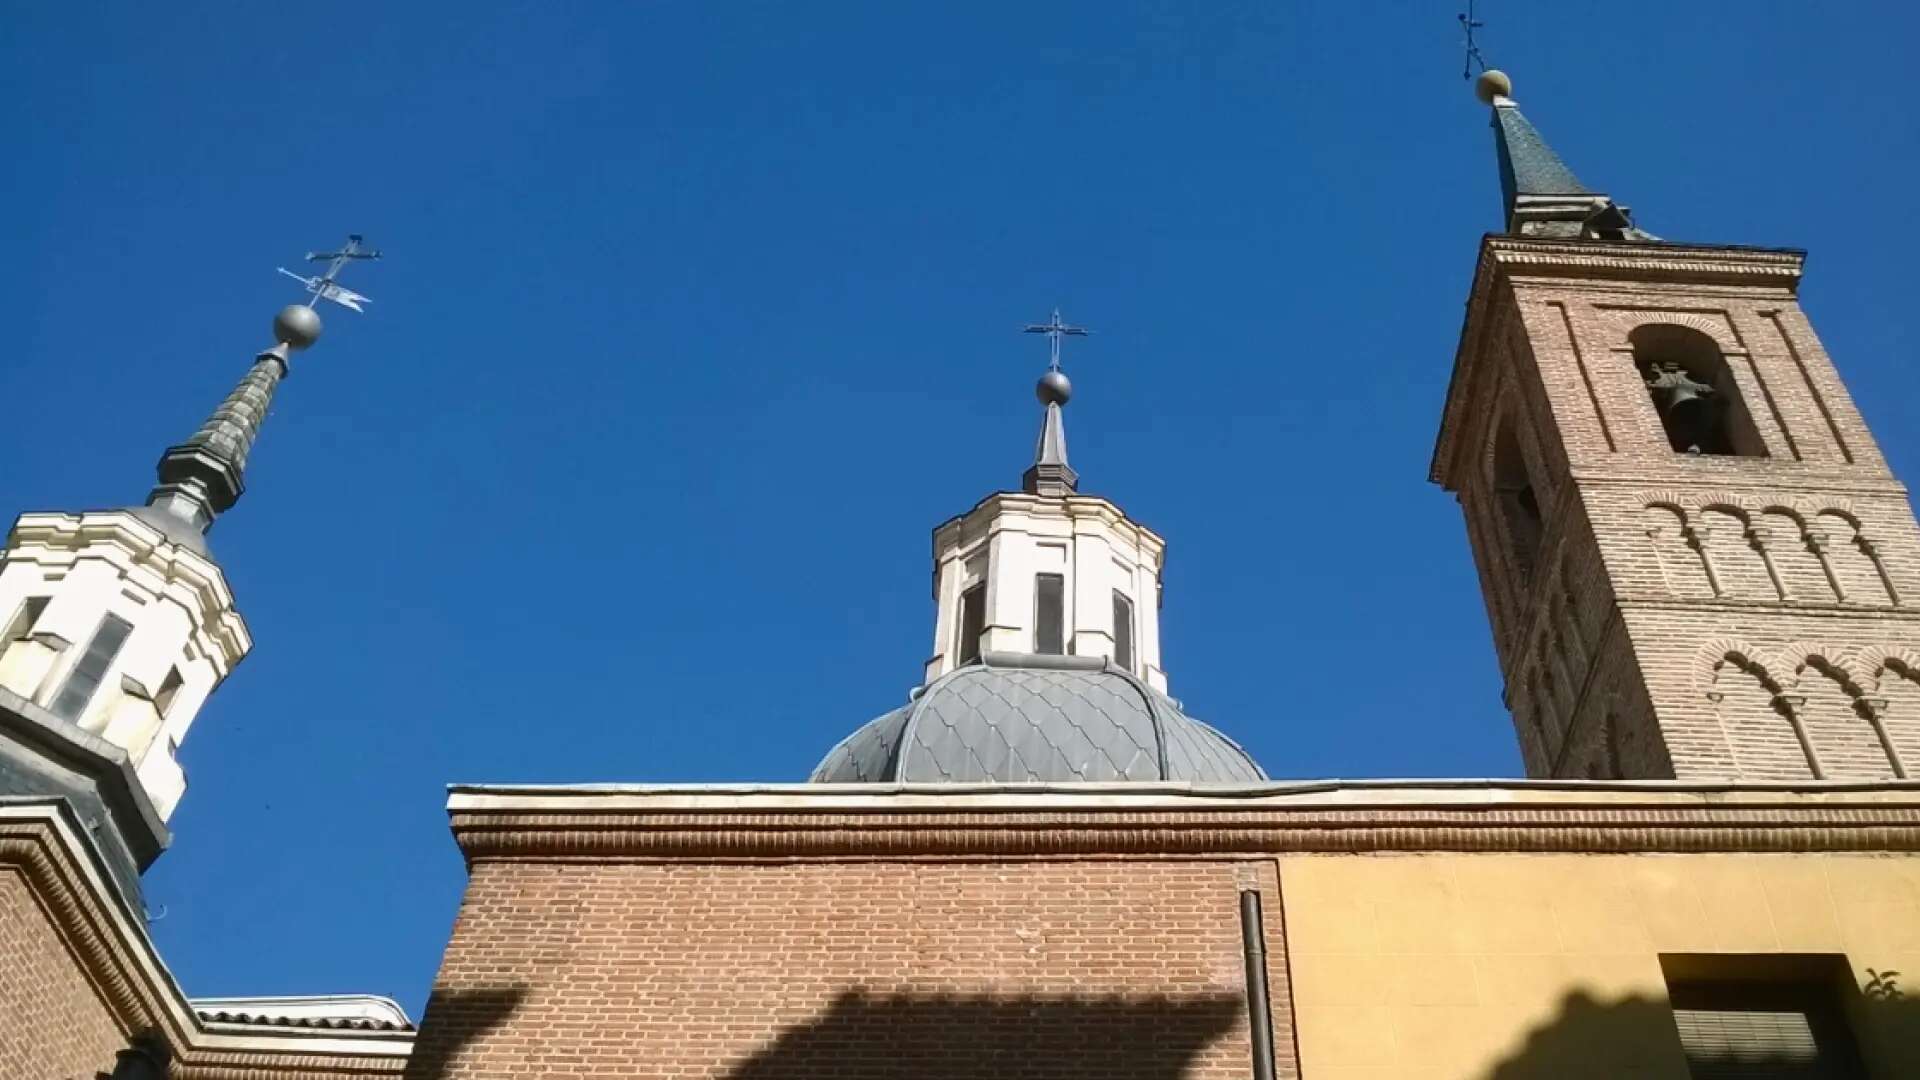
x: 696, y: 318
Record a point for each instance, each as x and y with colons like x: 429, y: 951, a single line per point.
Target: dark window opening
x: 973, y: 623
x: 169, y: 689
x: 1765, y: 1016
x: 91, y: 668
x: 1693, y: 392
x: 1513, y: 491
x: 23, y: 620
x: 1050, y: 614
x: 1122, y: 631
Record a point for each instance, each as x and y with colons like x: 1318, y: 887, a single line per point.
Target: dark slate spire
x: 1540, y: 196
x: 1050, y: 474
x: 202, y: 478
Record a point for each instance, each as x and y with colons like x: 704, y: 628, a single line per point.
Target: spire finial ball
x: 1492, y: 83
x: 1054, y: 388
x: 297, y: 326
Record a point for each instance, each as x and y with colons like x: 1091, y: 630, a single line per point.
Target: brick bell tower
x: 1696, y: 562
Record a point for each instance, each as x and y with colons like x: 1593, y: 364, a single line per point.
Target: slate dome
x: 1014, y: 718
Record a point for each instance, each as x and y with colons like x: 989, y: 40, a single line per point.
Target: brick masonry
x: 1682, y: 616
x: 79, y: 980
x: 53, y: 1024
x: 925, y: 968
x: 859, y: 933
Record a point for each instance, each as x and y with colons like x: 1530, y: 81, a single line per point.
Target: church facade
x: 1702, y: 582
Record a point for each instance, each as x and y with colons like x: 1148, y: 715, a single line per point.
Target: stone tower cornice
x: 143, y: 555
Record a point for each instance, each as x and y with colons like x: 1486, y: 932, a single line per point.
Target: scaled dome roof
x: 1015, y: 718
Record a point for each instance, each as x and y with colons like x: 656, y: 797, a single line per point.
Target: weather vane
x: 326, y: 286
x: 1469, y: 24
x: 1055, y: 330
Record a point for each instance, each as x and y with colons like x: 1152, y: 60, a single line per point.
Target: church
x: 1703, y: 584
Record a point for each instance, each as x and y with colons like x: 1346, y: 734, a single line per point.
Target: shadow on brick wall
x: 455, y: 1018
x: 1636, y: 1036
x: 865, y: 1036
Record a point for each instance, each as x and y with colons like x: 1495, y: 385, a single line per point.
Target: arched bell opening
x: 1693, y: 392
x: 1518, y: 498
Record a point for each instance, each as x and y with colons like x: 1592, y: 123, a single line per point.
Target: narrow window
x: 973, y: 623
x: 1122, y: 630
x: 23, y: 620
x: 91, y: 668
x: 1693, y: 392
x: 169, y: 689
x: 1513, y: 492
x: 1050, y: 614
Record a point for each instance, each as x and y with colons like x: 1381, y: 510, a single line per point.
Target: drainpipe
x: 146, y: 1057
x: 1253, y: 938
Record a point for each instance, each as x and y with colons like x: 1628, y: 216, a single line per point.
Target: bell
x: 1686, y: 399
x: 1685, y: 405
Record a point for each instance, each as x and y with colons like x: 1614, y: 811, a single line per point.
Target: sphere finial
x: 1054, y: 388
x: 297, y: 326
x: 1492, y: 83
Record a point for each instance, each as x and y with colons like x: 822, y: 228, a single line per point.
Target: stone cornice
x: 40, y: 841
x: 1691, y: 263
x: 1071, y: 508
x: 887, y: 822
x: 121, y: 537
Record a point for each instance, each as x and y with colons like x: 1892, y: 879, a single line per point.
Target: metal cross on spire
x: 1469, y: 24
x: 325, y: 286
x: 1055, y: 330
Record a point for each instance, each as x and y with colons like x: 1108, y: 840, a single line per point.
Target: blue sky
x: 696, y: 318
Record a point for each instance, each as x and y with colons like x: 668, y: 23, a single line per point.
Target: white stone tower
x: 1048, y: 570
x: 118, y: 624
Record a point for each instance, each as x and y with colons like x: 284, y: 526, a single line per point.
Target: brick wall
x: 53, y: 1025
x: 851, y: 970
x: 1685, y: 616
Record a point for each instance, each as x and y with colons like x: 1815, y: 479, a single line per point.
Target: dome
x: 1015, y: 718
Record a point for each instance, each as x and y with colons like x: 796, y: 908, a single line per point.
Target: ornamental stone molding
x: 144, y: 556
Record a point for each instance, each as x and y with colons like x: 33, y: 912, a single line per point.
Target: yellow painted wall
x: 1496, y: 967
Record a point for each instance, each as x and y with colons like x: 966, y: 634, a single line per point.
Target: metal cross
x: 1469, y: 24
x: 324, y: 287
x: 1055, y: 330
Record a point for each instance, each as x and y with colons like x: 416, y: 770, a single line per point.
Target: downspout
x: 1253, y: 938
x: 147, y: 1057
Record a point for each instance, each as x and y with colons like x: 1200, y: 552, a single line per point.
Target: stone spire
x: 1539, y: 194
x: 1050, y: 474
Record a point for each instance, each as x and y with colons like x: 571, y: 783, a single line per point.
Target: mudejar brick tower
x: 1696, y: 562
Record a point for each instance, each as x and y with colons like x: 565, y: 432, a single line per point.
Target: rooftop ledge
x: 706, y: 823
x: 1357, y: 794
